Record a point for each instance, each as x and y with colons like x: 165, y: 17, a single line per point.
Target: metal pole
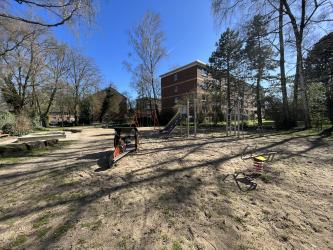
x: 188, y: 117
x: 195, y: 117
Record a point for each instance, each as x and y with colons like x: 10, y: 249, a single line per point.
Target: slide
x: 167, y: 130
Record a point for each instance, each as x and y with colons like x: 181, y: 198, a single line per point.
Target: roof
x: 196, y: 62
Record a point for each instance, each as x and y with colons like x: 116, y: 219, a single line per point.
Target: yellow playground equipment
x: 260, y: 160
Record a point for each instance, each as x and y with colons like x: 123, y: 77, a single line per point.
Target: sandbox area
x: 169, y: 195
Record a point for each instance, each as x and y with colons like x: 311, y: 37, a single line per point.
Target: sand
x: 170, y: 194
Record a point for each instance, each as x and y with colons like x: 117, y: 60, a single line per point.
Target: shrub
x: 6, y: 118
x: 21, y: 126
x: 8, y: 128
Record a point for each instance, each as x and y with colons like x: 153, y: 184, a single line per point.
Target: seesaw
x: 122, y: 142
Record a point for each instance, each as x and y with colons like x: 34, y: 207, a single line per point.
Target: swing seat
x: 260, y: 158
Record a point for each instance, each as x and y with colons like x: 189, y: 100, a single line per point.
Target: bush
x: 6, y: 118
x: 8, y: 128
x: 21, y: 126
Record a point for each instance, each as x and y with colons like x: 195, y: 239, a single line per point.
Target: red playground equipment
x: 123, y: 143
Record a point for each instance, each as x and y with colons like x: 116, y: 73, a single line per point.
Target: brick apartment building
x: 182, y: 82
x: 187, y: 81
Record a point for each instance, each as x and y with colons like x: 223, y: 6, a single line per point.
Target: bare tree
x: 83, y: 77
x: 59, y: 12
x: 147, y: 41
x: 18, y: 77
x: 56, y: 70
x: 311, y: 12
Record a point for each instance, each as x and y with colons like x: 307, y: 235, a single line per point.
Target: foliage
x: 21, y: 126
x: 318, y: 109
x: 106, y: 103
x: 319, y: 69
x: 85, y: 112
x: 6, y: 118
x: 260, y: 55
x: 274, y: 111
x: 225, y: 62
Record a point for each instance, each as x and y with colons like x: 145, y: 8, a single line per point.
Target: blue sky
x: 188, y: 26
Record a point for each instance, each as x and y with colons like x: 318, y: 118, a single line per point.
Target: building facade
x: 183, y: 82
x: 187, y: 82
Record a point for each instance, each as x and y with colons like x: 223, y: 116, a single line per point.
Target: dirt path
x: 169, y: 195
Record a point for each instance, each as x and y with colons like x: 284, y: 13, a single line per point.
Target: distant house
x: 108, y: 105
x: 187, y: 81
x: 60, y: 117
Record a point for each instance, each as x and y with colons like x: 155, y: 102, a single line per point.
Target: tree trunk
x: 228, y: 98
x: 258, y: 97
x: 295, y: 97
x: 286, y: 116
x: 45, y: 115
x: 305, y: 102
x: 155, y: 99
x: 76, y: 100
x: 329, y: 98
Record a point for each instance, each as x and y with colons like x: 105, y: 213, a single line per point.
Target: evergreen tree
x: 319, y: 68
x: 259, y: 55
x: 225, y: 61
x: 106, y: 103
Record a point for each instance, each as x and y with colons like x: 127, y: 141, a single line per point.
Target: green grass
x: 43, y: 220
x: 176, y: 246
x: 42, y: 232
x: 95, y: 225
x: 60, y: 231
x: 20, y: 239
x: 29, y: 154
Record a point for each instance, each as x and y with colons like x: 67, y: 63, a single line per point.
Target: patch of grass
x: 267, y: 178
x: 29, y: 154
x: 95, y: 225
x: 123, y: 244
x: 20, y: 239
x: 60, y: 231
x: 176, y: 245
x: 43, y: 220
x: 242, y: 247
x: 165, y: 238
x: 42, y: 232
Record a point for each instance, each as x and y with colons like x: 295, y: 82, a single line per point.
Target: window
x: 176, y: 89
x: 204, y: 72
x: 175, y: 77
x: 176, y: 99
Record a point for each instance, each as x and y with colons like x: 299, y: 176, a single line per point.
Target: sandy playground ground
x: 170, y: 194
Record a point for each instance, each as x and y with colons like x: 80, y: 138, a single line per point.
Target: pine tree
x: 259, y: 55
x: 225, y: 61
